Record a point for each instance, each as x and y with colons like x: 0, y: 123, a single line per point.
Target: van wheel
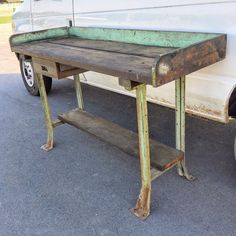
x: 28, y: 76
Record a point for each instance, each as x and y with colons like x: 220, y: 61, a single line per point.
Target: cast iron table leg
x: 47, y: 113
x: 142, y: 208
x: 180, y: 125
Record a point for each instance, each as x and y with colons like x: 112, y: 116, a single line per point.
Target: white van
x: 211, y: 91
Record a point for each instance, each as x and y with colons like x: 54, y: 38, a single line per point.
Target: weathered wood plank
x: 109, y: 46
x: 162, y: 156
x: 184, y: 61
x: 143, y: 64
x: 122, y: 65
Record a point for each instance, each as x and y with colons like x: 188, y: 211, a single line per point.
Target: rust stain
x: 204, y: 109
x: 191, y: 109
x: 142, y: 208
x: 178, y: 159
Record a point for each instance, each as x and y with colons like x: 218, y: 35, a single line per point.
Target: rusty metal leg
x: 47, y: 113
x: 180, y: 125
x: 142, y: 208
x: 79, y: 93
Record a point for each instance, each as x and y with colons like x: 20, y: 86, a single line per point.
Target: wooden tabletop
x: 141, y: 63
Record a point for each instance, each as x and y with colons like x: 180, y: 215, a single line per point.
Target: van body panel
x: 22, y: 18
x: 57, y: 13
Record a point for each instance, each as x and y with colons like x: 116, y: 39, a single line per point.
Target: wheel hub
x: 28, y: 73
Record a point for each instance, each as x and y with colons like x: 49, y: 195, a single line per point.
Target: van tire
x: 28, y: 76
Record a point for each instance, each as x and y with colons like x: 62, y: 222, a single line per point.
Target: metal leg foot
x: 47, y: 147
x: 47, y: 113
x: 142, y: 208
x: 180, y: 125
x: 183, y: 171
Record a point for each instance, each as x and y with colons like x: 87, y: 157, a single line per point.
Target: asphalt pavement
x: 85, y: 186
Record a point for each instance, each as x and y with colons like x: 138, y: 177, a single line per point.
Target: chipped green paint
x: 180, y: 125
x: 178, y: 115
x: 143, y: 133
x: 47, y: 112
x: 38, y: 35
x: 144, y: 37
x: 142, y: 208
x: 78, y: 91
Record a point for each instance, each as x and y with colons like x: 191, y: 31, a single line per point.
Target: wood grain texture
x: 162, y: 156
x: 151, y: 65
x: 127, y: 66
x: 117, y: 47
x: 53, y: 69
x: 184, y: 61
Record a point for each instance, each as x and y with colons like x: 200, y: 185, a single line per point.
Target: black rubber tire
x: 34, y: 90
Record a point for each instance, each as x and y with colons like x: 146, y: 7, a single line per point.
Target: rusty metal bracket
x: 142, y: 208
x: 128, y: 84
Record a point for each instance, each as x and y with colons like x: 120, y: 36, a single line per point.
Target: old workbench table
x: 138, y: 58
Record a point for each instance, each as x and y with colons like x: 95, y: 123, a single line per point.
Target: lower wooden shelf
x: 162, y: 156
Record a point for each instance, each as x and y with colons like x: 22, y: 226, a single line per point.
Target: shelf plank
x: 162, y: 156
x: 116, y: 47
